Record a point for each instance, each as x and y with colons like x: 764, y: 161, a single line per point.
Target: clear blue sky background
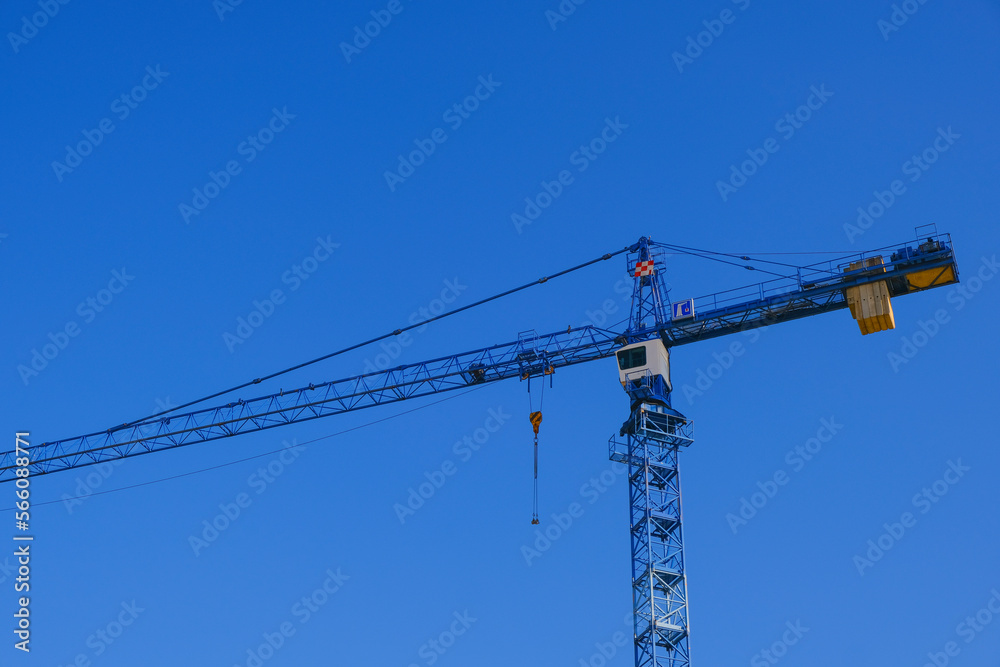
x: 161, y: 338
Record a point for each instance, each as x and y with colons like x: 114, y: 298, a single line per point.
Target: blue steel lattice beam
x: 654, y: 432
x: 811, y: 293
x: 816, y: 289
x: 650, y: 299
x: 659, y: 584
x: 511, y: 360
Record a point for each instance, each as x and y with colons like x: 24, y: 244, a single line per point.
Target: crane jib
x: 499, y: 362
x: 813, y: 291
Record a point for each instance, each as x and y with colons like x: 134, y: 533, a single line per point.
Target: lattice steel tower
x: 653, y: 435
x: 648, y: 442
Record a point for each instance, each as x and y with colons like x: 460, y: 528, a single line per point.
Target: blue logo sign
x: 683, y: 309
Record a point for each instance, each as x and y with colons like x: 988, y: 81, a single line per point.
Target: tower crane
x: 648, y: 442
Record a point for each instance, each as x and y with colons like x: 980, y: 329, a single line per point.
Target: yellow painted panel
x: 931, y: 278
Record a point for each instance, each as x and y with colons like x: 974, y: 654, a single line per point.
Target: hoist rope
x: 748, y: 257
x: 705, y: 254
x: 256, y: 456
x: 535, y: 417
x: 395, y: 332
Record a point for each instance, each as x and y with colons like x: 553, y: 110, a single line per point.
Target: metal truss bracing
x: 529, y: 356
x: 650, y: 298
x: 652, y: 436
x: 659, y: 585
x: 814, y: 290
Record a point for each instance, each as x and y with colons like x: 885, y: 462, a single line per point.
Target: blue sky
x: 249, y: 154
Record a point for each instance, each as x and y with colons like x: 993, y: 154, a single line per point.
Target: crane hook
x: 536, y: 420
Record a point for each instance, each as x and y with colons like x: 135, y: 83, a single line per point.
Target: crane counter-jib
x: 907, y: 270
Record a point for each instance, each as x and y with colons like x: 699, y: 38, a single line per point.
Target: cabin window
x: 632, y: 358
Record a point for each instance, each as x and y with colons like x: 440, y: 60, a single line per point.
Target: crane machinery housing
x: 649, y: 440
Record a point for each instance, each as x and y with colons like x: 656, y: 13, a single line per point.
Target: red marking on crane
x: 644, y: 268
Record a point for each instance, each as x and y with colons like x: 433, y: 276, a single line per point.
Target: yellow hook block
x: 536, y: 420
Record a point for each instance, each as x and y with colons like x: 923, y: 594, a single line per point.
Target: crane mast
x: 653, y: 436
x: 648, y: 442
